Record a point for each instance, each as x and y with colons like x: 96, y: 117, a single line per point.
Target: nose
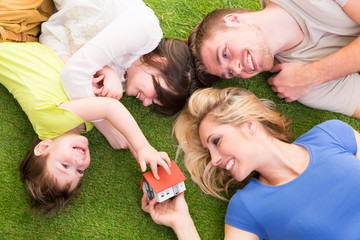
x: 236, y: 67
x: 147, y: 102
x: 78, y: 161
x: 215, y: 158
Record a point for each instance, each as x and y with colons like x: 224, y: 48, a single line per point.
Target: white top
x: 96, y: 33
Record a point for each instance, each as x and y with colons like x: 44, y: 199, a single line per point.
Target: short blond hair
x: 228, y: 106
x: 211, y: 24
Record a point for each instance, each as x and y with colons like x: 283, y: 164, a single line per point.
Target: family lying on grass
x: 230, y: 138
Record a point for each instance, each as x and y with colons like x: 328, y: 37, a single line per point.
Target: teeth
x: 229, y: 165
x: 138, y: 95
x: 250, y: 62
x: 79, y: 150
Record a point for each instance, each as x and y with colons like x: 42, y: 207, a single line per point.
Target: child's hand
x: 150, y: 155
x: 109, y: 86
x: 97, y: 84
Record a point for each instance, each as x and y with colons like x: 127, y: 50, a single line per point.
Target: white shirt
x: 96, y: 33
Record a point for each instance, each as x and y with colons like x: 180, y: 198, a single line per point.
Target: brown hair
x: 178, y: 74
x: 228, y: 106
x: 203, y: 30
x: 41, y: 186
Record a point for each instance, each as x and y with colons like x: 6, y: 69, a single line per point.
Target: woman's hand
x: 173, y: 213
x: 149, y: 155
x: 167, y: 213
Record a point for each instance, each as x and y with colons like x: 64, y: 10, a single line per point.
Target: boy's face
x: 239, y: 51
x: 69, y: 157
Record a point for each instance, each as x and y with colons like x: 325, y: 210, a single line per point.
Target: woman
x: 308, y: 189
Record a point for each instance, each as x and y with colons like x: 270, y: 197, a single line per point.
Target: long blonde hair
x: 228, y: 106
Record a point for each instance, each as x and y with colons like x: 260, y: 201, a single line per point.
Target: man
x: 316, y: 44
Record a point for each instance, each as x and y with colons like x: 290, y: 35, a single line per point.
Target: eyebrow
x: 208, y: 139
x: 218, y: 60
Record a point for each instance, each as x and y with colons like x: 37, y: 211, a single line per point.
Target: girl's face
x: 140, y: 83
x: 230, y: 147
x: 69, y: 157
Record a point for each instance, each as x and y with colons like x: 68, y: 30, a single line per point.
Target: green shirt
x: 30, y: 71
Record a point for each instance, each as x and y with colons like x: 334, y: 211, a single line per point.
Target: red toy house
x: 168, y: 185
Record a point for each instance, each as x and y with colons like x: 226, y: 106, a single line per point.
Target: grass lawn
x: 109, y: 205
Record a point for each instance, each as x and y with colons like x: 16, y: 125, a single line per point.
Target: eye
x: 216, y: 141
x: 225, y: 54
x: 65, y: 166
x: 80, y: 171
x: 231, y: 73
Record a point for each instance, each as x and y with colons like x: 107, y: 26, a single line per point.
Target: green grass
x: 109, y: 205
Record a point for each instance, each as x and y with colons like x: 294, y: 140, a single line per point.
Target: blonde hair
x: 212, y: 23
x: 229, y: 106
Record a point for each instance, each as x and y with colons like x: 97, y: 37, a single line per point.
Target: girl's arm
x: 111, y: 84
x: 91, y: 109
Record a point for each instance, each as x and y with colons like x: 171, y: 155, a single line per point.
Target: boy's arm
x: 296, y: 80
x: 96, y: 108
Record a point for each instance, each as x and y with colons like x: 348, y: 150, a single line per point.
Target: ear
x: 252, y: 126
x: 161, y: 60
x: 232, y: 19
x: 42, y: 146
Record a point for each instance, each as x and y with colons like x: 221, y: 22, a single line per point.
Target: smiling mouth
x: 79, y: 149
x: 230, y: 164
x: 250, y: 63
x: 138, y: 95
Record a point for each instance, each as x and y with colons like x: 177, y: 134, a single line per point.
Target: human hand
x: 97, y: 84
x: 292, y: 82
x: 169, y: 213
x: 149, y: 155
x: 109, y: 86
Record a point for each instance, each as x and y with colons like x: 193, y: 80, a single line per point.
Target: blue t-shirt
x: 322, y: 203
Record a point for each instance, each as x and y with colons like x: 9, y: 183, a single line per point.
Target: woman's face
x: 140, y: 83
x: 68, y: 158
x: 230, y: 147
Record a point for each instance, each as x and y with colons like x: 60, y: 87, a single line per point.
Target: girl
x: 308, y: 189
x: 119, y: 41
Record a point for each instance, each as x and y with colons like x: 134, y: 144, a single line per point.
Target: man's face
x: 240, y: 51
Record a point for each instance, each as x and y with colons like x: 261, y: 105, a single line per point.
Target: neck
x: 284, y: 162
x: 280, y: 28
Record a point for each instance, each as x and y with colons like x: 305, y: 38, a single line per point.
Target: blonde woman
x: 308, y: 189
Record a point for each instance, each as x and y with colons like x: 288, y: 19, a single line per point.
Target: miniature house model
x: 168, y: 185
